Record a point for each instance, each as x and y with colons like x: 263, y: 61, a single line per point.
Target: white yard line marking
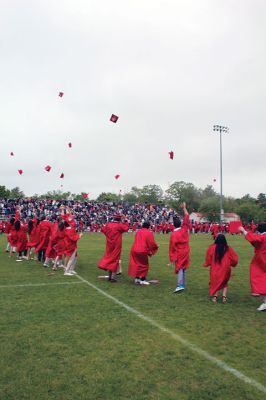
x: 221, y: 364
x: 39, y: 284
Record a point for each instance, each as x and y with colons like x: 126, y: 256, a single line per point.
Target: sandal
x: 224, y: 299
x: 214, y: 299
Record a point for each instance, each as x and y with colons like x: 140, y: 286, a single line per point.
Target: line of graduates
x: 50, y: 241
x: 220, y: 257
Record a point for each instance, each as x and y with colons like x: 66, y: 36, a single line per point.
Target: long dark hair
x: 221, y: 247
x: 30, y: 226
x: 17, y: 225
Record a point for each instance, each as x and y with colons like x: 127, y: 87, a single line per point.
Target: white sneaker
x: 137, y: 281
x: 73, y: 273
x: 46, y: 265
x: 144, y: 282
x: 68, y: 274
x: 178, y: 289
x: 262, y: 307
x: 18, y: 259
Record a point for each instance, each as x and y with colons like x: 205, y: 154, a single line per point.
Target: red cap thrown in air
x: 114, y: 118
x: 117, y: 176
x: 85, y: 195
x: 61, y: 94
x: 20, y: 171
x: 48, y: 168
x: 171, y: 155
x: 62, y: 175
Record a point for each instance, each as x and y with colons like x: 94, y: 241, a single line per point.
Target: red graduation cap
x: 20, y: 171
x: 117, y: 176
x: 171, y: 155
x: 48, y: 168
x: 61, y: 94
x: 114, y: 118
x: 70, y: 145
x: 214, y: 179
x: 12, y: 154
x: 62, y: 175
x: 85, y: 195
x: 233, y: 226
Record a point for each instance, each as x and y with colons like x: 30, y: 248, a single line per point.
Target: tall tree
x: 182, y: 191
x: 16, y: 193
x: 108, y: 197
x: 210, y: 208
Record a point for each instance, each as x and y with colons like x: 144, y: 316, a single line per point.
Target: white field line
x: 39, y: 284
x: 221, y: 364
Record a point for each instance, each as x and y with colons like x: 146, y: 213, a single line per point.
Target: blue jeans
x: 181, y: 277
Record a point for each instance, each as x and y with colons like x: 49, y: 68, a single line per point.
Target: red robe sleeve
x: 209, y: 255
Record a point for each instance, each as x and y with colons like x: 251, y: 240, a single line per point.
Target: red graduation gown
x: 113, y: 232
x: 179, y: 246
x: 220, y: 272
x: 144, y: 245
x: 21, y: 239
x: 45, y: 228
x: 70, y: 241
x: 258, y: 263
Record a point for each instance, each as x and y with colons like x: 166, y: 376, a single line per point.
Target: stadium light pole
x: 221, y: 129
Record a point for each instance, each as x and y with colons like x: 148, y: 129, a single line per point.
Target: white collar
x: 177, y: 229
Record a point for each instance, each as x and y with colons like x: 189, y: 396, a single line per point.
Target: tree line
x: 205, y: 201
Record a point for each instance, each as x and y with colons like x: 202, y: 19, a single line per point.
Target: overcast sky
x: 169, y: 69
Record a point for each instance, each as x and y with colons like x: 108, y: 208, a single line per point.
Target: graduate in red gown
x: 70, y: 242
x: 179, y: 249
x: 220, y: 257
x: 45, y: 228
x: 58, y: 242
x: 258, y: 262
x: 34, y: 236
x: 9, y: 228
x: 113, y: 232
x: 144, y: 246
x: 12, y: 237
x: 21, y: 240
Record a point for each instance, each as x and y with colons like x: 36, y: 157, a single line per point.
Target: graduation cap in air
x: 62, y: 175
x: 85, y: 195
x: 214, y: 179
x: 20, y: 171
x: 48, y: 168
x: 70, y: 145
x: 61, y: 94
x: 12, y: 154
x: 117, y: 176
x: 171, y: 155
x: 114, y: 118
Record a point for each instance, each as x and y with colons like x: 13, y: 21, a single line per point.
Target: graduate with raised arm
x: 179, y: 249
x: 220, y: 257
x: 113, y: 232
x: 258, y: 262
x: 144, y: 246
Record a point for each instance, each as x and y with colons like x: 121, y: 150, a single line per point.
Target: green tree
x: 130, y: 198
x: 182, y: 191
x: 16, y: 193
x: 249, y: 211
x: 210, y: 208
x: 108, y: 197
x: 56, y: 195
x: 261, y: 200
x: 207, y: 192
x: 4, y: 192
x: 151, y: 194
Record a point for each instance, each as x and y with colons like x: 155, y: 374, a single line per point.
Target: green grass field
x: 63, y: 339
